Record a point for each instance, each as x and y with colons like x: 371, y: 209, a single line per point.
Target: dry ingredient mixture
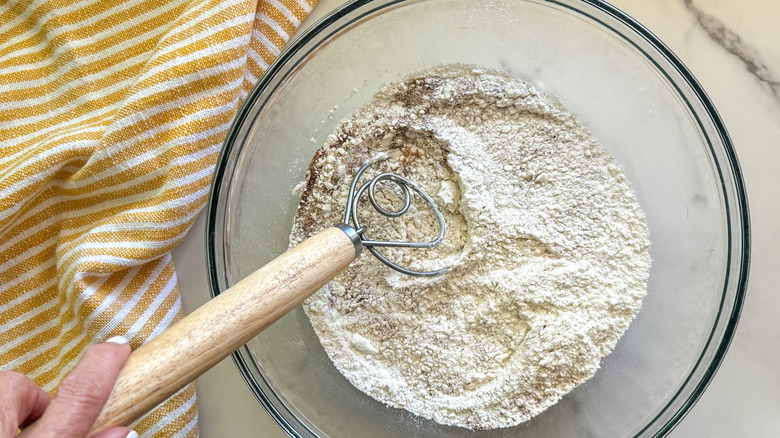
x: 546, y: 245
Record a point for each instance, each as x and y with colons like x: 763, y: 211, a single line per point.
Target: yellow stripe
x: 97, y: 46
x: 188, y: 32
x: 72, y: 222
x: 84, y: 32
x: 18, y: 10
x: 32, y: 363
x: 31, y: 148
x: 271, y: 34
x: 89, y: 106
x: 72, y: 176
x: 295, y: 8
x: 265, y: 53
x: 96, y: 266
x: 81, y: 70
x: 102, y: 164
x: 92, y: 303
x: 191, y: 66
x: 10, y: 293
x: 279, y: 17
x: 36, y: 259
x: 38, y: 168
x: 176, y: 401
x: 86, y: 133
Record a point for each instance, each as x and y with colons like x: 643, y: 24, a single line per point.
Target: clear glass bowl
x: 629, y: 89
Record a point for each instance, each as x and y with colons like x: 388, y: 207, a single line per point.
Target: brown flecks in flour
x: 547, y: 249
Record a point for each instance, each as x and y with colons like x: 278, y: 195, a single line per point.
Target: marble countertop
x: 732, y: 49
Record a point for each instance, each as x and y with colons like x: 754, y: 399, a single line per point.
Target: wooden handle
x: 189, y: 348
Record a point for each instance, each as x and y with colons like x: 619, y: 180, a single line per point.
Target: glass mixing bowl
x: 622, y: 82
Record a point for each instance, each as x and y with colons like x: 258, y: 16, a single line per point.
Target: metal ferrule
x: 353, y: 236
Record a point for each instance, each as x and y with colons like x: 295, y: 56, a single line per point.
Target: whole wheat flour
x: 546, y: 245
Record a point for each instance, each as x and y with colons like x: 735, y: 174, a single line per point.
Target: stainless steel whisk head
x: 407, y: 187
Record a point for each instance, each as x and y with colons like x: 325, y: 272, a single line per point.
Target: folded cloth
x: 112, y: 114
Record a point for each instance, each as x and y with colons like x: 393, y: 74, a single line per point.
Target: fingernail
x: 120, y: 340
x: 132, y: 434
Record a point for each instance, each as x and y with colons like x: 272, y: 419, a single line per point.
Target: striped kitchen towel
x: 112, y: 114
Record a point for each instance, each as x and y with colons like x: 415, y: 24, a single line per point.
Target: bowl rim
x: 243, y: 358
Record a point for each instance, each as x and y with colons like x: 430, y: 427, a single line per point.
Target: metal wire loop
x: 407, y: 187
x: 372, y: 186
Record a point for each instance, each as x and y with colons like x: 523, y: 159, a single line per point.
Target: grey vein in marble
x: 733, y: 44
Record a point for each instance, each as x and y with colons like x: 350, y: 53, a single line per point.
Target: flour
x: 546, y: 245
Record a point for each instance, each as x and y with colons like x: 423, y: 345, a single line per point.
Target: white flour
x: 546, y: 245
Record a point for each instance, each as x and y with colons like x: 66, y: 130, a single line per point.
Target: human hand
x: 75, y: 407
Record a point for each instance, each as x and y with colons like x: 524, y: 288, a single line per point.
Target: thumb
x: 82, y: 394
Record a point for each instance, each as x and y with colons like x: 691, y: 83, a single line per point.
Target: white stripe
x: 273, y: 25
x: 136, y: 40
x: 157, y: 69
x: 26, y: 295
x: 109, y: 151
x: 113, y: 202
x: 138, y: 160
x: 113, y: 323
x: 226, y: 45
x: 267, y: 19
x: 30, y: 313
x: 96, y: 313
x: 124, y: 226
x: 32, y: 8
x: 153, y: 306
x: 188, y: 428
x: 72, y: 105
x: 32, y: 179
x: 117, y: 261
x: 304, y: 5
x: 66, y: 131
x: 176, y: 162
x: 79, y: 61
x: 113, y: 261
x: 118, y: 27
x: 30, y: 273
x: 206, y: 12
x: 117, y: 227
x: 199, y: 37
x: 54, y: 128
x: 169, y: 318
x: 172, y: 416
x: 109, y: 264
x: 74, y: 83
x: 182, y: 80
x: 40, y: 329
x: 258, y: 60
x: 286, y: 12
x: 120, y: 316
x: 271, y: 47
x: 134, y: 226
x: 14, y: 363
x: 202, y: 53
x: 119, y: 246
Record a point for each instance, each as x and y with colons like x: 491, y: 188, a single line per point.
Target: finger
x: 117, y: 432
x: 82, y: 394
x: 21, y: 402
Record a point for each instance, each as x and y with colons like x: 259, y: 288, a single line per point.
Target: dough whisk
x: 167, y: 363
